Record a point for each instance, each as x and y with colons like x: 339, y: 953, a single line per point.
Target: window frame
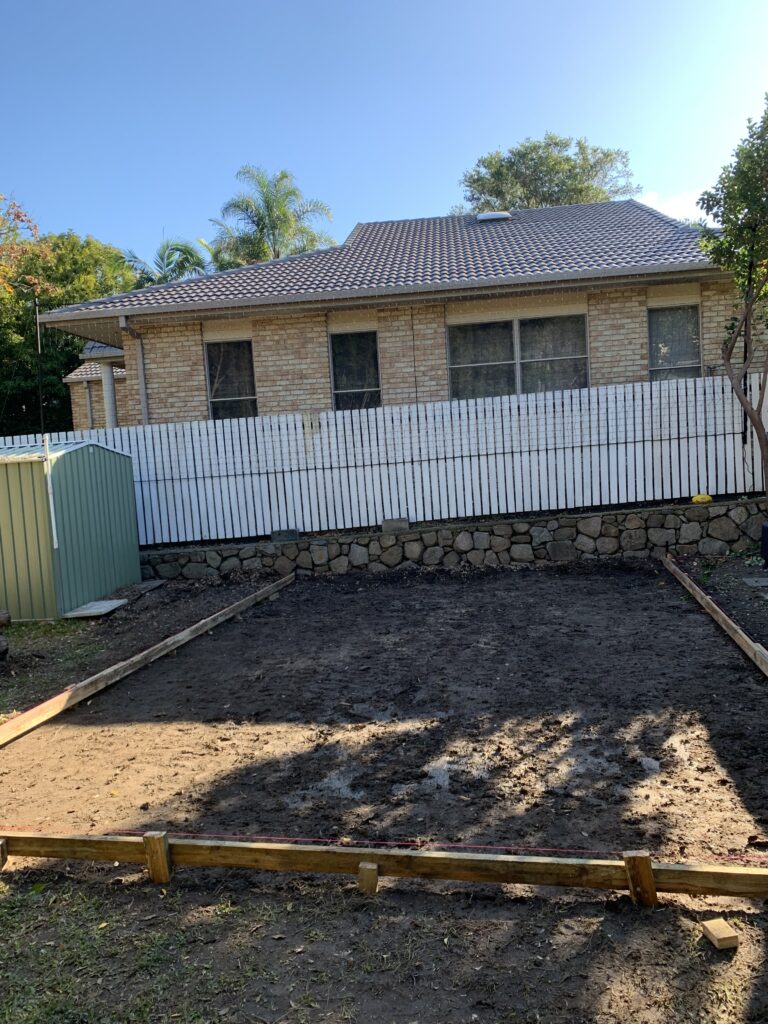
x: 515, y: 321
x: 353, y: 391
x: 675, y: 305
x: 240, y: 398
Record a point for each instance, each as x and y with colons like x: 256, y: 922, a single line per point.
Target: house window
x: 231, y: 388
x: 355, y: 368
x: 542, y: 354
x: 673, y: 338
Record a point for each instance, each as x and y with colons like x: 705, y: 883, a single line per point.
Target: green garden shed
x: 68, y: 531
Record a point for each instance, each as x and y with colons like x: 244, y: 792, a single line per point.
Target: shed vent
x: 494, y: 215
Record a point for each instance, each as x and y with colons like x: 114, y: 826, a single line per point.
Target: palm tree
x: 272, y: 219
x: 173, y: 261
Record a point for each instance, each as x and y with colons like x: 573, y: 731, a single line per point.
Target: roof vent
x: 494, y: 215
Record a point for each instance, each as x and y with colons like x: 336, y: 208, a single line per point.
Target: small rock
x: 590, y: 527
x: 650, y: 765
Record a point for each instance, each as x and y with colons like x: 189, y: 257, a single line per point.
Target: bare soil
x: 724, y: 579
x: 45, y: 657
x: 590, y: 708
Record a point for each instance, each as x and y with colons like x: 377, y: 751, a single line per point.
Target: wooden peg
x: 642, y: 887
x: 368, y: 876
x: 158, y: 856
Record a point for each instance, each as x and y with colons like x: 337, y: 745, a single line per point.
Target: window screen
x: 355, y: 364
x: 231, y: 388
x: 481, y: 360
x: 553, y: 353
x: 673, y: 336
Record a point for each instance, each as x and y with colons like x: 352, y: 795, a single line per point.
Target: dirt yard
x: 584, y: 708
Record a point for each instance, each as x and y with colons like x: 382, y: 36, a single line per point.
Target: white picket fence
x: 232, y: 479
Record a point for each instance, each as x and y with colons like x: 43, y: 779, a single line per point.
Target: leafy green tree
x: 174, y: 260
x: 553, y: 171
x: 58, y: 269
x: 738, y: 204
x: 269, y: 219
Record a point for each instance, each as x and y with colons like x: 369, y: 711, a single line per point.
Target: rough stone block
x: 255, y: 563
x: 660, y: 537
x: 671, y: 522
x: 230, y: 565
x: 339, y: 564
x: 521, y: 553
x: 689, y: 533
x: 521, y: 527
x: 463, y: 542
x: 387, y: 540
x: 739, y: 514
x: 584, y: 544
x: 754, y: 527
x: 481, y: 540
x: 561, y: 550
x: 198, y: 571
x: 490, y: 559
x: 213, y: 558
x: 633, y: 540
x: 503, y: 557
x: 445, y: 538
x: 609, y: 530
x: 590, y: 527
x: 499, y: 543
x: 565, y: 533
x: 284, y: 565
x: 451, y: 560
x: 413, y: 550
x: 433, y: 555
x: 395, y: 526
x: 696, y: 513
x: 392, y: 556
x: 711, y: 546
x: 607, y: 545
x: 634, y: 522
x: 358, y: 555
x: 475, y: 557
x: 319, y: 554
x: 303, y: 561
x: 502, y: 530
x: 540, y: 535
x: 374, y: 549
x: 723, y: 528
x: 249, y: 551
x: 429, y: 539
x: 170, y: 570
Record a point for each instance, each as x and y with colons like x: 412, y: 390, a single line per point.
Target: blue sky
x: 128, y: 121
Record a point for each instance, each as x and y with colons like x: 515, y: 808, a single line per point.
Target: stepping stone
x: 756, y: 581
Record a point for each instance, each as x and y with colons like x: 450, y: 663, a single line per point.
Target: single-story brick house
x: 413, y: 311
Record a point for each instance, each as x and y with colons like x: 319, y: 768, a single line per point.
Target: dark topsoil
x: 586, y: 707
x: 724, y: 580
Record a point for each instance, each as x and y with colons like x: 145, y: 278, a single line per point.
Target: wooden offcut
x: 449, y: 865
x: 158, y: 856
x: 642, y: 887
x: 28, y: 720
x: 720, y: 934
x: 755, y: 651
x: 368, y: 877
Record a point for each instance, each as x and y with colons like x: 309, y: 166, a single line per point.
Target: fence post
x: 642, y: 887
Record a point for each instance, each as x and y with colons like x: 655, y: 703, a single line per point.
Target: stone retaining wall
x: 715, y: 529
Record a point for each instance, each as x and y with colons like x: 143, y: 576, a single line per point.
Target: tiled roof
x: 91, y: 371
x: 434, y: 254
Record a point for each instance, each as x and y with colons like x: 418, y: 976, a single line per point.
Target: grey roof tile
x: 437, y: 253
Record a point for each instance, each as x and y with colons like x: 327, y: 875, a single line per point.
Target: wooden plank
x: 29, y: 720
x: 720, y: 934
x: 711, y: 880
x: 642, y: 887
x: 127, y: 849
x: 3, y: 853
x: 368, y: 877
x: 158, y: 856
x: 755, y: 651
x: 452, y: 865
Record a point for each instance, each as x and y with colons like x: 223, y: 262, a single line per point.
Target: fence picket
x: 619, y: 444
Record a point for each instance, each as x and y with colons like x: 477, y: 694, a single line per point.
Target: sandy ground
x: 584, y: 708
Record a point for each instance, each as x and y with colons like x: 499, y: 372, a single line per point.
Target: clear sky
x: 128, y: 120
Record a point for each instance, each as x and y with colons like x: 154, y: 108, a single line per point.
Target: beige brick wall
x: 291, y: 356
x: 617, y: 326
x: 291, y: 365
x: 79, y: 402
